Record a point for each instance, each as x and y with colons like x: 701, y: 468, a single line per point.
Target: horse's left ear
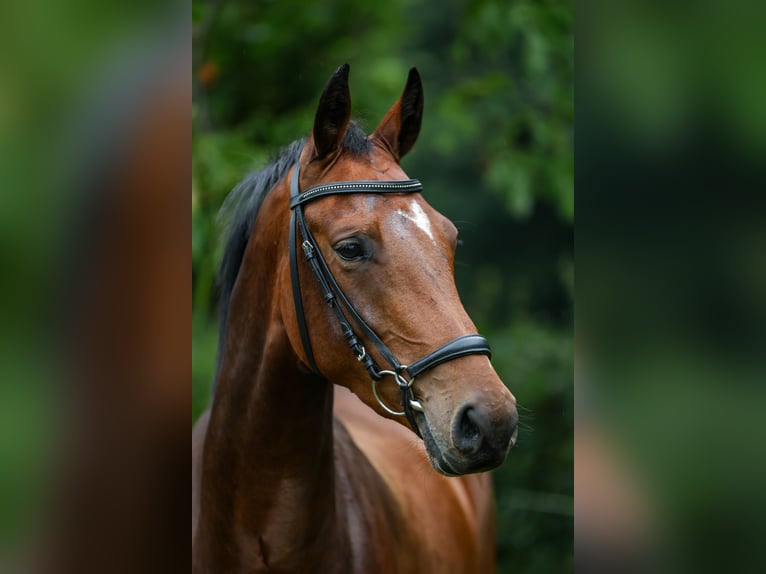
x: 400, y: 127
x: 333, y: 114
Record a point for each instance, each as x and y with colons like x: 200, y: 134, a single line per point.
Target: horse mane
x: 240, y: 209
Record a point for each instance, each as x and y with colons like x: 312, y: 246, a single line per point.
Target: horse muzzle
x: 479, y: 439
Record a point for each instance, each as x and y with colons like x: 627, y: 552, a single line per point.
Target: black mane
x: 240, y: 210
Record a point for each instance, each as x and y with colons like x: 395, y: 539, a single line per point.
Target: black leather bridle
x: 337, y: 300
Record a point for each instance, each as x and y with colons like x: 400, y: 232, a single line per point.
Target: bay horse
x: 343, y: 340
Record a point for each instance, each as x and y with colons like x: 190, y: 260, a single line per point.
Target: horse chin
x: 435, y: 452
x: 435, y: 457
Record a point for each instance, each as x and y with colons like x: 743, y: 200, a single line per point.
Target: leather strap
x: 296, y: 282
x: 460, y: 347
x: 361, y: 186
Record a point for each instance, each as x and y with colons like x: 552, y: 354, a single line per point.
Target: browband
x: 363, y: 186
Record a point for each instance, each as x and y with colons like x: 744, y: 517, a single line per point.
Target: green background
x: 495, y: 155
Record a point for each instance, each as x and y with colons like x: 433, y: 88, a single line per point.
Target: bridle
x: 337, y: 300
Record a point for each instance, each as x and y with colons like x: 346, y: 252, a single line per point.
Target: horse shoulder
x: 447, y: 524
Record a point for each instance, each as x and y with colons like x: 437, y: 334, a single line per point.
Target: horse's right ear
x: 333, y: 114
x: 400, y: 127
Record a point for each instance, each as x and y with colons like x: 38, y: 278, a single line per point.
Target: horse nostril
x: 467, y: 430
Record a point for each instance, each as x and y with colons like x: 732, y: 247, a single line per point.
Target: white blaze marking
x: 419, y: 218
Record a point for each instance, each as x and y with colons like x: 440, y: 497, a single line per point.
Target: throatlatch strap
x: 295, y: 279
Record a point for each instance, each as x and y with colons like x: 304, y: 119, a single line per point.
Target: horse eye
x: 350, y: 250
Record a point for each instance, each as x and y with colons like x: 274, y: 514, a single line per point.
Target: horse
x: 355, y: 410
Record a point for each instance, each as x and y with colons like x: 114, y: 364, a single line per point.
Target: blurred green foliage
x: 495, y: 155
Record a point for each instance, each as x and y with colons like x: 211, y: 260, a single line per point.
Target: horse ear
x: 400, y: 127
x: 333, y: 113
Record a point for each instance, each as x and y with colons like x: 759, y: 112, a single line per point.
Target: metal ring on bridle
x: 403, y: 384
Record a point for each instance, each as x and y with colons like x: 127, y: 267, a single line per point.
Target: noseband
x: 337, y: 300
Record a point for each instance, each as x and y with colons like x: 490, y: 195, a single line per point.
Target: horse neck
x: 267, y: 488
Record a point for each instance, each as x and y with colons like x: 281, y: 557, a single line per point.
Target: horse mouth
x: 448, y: 465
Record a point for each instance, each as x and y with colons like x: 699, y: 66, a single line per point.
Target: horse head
x: 392, y: 256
